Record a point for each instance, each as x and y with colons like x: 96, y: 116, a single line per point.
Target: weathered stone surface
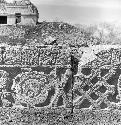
x: 62, y: 89
x: 36, y: 78
x: 97, y: 85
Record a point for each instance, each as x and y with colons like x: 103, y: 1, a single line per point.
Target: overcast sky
x: 79, y: 11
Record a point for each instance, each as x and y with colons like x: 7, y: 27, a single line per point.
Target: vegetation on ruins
x: 74, y: 35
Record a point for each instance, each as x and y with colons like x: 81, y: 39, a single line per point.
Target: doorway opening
x: 18, y: 18
x: 3, y: 19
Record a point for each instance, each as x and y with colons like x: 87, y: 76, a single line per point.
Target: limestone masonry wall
x: 49, y: 84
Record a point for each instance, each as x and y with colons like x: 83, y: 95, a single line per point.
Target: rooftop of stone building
x: 17, y: 2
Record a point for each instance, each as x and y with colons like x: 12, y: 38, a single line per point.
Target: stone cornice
x: 30, y: 7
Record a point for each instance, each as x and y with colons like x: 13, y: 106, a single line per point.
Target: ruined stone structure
x: 48, y: 85
x: 21, y: 12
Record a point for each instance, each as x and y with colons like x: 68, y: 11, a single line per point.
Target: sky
x: 79, y: 11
